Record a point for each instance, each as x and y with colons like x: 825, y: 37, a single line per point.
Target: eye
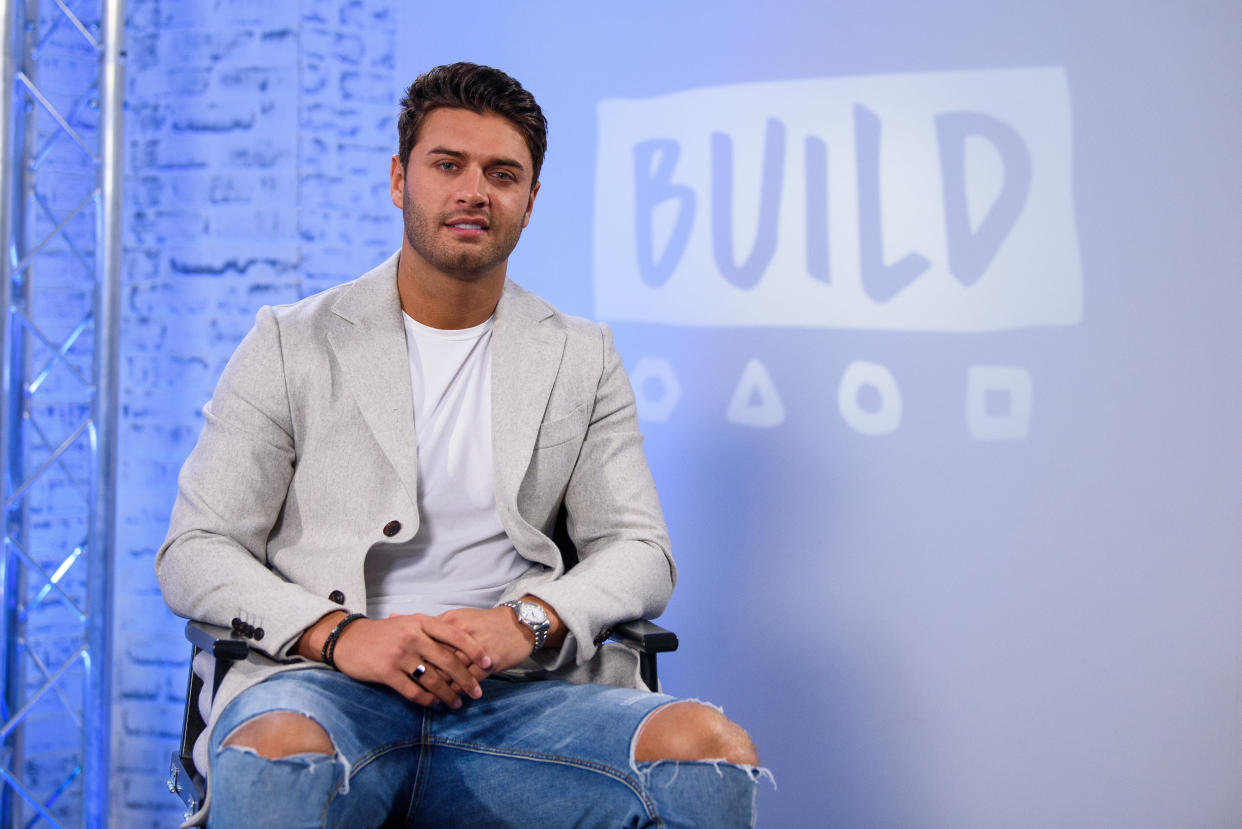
x: 447, y: 166
x: 505, y: 175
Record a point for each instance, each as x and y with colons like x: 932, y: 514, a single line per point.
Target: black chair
x: 227, y: 646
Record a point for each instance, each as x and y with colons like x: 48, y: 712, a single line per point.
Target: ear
x: 396, y: 183
x: 530, y: 204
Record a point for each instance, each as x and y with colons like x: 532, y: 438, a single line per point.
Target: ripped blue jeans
x: 544, y: 753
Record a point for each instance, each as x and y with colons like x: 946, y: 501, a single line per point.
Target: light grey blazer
x: 309, y: 451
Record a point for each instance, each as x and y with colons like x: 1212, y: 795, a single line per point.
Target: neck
x: 439, y: 300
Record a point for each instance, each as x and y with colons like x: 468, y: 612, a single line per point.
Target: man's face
x: 466, y: 192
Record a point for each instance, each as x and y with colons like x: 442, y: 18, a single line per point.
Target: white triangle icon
x: 755, y: 401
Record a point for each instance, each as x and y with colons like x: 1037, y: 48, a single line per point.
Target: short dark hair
x: 480, y: 89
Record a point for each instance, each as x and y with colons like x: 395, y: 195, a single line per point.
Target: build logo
x: 938, y: 202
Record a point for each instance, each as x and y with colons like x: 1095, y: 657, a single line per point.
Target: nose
x: 472, y: 187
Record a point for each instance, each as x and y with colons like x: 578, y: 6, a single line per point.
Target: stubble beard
x: 464, y: 261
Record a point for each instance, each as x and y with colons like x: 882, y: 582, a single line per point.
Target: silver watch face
x: 532, y: 614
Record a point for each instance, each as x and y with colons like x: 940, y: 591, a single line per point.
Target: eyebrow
x: 499, y: 161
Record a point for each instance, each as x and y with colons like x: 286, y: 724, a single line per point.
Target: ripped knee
x: 281, y: 734
x: 692, y: 731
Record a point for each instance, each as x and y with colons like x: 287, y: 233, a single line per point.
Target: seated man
x: 371, y: 502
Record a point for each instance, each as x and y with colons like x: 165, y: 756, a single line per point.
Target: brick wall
x: 257, y: 146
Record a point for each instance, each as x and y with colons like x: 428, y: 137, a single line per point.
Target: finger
x: 444, y: 677
x: 404, y: 685
x: 457, y: 689
x: 431, y: 682
x: 418, y: 675
x: 434, y: 682
x: 460, y: 640
x: 423, y: 644
x: 451, y: 670
x: 473, y: 667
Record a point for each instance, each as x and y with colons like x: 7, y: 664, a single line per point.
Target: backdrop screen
x: 931, y: 313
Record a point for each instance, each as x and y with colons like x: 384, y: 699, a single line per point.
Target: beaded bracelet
x: 329, y: 644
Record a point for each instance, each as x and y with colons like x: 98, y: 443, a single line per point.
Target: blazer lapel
x: 369, y: 341
x: 525, y: 359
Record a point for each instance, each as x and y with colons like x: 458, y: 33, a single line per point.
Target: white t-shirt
x: 461, y: 556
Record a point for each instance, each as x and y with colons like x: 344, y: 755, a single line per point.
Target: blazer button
x: 258, y: 633
x: 392, y: 528
x: 336, y: 596
x: 236, y: 625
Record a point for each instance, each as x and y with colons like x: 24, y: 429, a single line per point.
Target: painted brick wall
x: 257, y: 145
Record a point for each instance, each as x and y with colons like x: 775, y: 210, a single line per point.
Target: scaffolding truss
x: 60, y: 141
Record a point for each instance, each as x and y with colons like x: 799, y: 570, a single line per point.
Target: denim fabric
x: 545, y: 754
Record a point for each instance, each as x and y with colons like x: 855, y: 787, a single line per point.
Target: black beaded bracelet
x: 329, y: 644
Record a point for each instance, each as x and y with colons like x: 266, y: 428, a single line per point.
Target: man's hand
x: 498, y: 630
x: 389, y: 650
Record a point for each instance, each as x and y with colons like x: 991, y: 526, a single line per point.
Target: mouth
x: 471, y: 226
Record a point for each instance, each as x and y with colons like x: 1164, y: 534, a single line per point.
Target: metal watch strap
x: 540, y: 631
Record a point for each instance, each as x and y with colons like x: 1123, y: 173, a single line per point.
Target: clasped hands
x: 456, y: 648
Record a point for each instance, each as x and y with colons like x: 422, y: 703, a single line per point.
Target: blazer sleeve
x: 625, y: 569
x: 213, y: 564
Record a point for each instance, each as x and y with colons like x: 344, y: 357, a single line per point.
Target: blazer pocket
x: 563, y: 429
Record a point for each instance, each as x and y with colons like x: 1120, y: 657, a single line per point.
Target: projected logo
x: 917, y: 202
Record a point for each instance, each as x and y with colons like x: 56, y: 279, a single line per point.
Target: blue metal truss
x: 60, y: 126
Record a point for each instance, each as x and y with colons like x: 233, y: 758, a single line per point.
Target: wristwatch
x: 534, y: 617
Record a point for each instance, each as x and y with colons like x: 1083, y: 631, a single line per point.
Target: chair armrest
x: 648, y: 639
x: 220, y: 642
x: 226, y: 647
x: 645, y: 636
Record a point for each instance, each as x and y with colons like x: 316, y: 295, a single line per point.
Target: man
x: 374, y: 492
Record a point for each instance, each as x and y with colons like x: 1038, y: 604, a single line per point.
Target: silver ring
x: 418, y: 672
